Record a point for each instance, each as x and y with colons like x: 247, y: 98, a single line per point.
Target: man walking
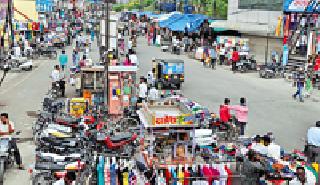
x: 213, y: 56
x: 143, y: 90
x: 235, y: 59
x: 299, y: 85
x: 63, y: 59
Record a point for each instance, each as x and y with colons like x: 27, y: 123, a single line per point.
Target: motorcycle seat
x: 121, y: 137
x: 48, y: 166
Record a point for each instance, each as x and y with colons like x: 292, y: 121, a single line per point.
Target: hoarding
x: 301, y: 6
x: 3, y: 9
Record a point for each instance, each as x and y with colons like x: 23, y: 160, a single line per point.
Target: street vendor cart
x: 121, y: 88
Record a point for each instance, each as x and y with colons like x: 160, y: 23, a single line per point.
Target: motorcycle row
x: 68, y: 147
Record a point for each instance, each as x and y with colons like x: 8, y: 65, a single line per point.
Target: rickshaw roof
x: 170, y: 60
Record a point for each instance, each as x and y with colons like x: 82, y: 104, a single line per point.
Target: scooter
x: 6, y: 156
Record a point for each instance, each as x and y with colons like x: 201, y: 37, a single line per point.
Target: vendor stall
x: 175, y: 120
x: 92, y: 83
x: 121, y: 88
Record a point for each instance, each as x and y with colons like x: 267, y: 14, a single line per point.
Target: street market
x: 154, y: 97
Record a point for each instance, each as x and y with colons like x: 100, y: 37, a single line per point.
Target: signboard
x: 301, y: 6
x: 44, y: 5
x: 184, y: 119
x: 3, y: 9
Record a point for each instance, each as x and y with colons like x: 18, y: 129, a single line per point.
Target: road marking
x: 22, y: 80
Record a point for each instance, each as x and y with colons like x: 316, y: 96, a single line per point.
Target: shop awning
x: 162, y: 17
x: 179, y: 22
x: 258, y: 29
x: 25, y: 9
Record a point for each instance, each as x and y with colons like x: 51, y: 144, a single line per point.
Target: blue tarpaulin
x: 171, y: 19
x: 179, y: 22
x: 145, y: 13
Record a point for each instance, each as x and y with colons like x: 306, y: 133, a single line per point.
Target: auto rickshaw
x: 168, y: 74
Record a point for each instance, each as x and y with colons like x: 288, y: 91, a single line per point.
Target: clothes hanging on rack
x: 200, y: 182
x: 113, y: 175
x: 229, y: 179
x: 186, y: 176
x: 125, y: 177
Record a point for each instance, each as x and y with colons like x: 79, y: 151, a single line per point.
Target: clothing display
x: 212, y: 173
x: 114, y: 171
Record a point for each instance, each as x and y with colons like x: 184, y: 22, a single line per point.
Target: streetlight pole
x: 106, y: 52
x: 267, y: 47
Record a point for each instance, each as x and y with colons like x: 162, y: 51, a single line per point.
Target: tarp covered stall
x: 163, y: 17
x: 179, y: 22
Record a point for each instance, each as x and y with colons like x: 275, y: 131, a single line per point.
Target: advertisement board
x: 44, y: 5
x: 3, y: 9
x: 184, y: 119
x: 301, y: 6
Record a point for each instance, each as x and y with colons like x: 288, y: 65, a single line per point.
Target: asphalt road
x: 271, y: 107
x: 19, y: 93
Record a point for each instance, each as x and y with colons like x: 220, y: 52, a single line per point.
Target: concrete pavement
x: 271, y: 107
x: 23, y: 92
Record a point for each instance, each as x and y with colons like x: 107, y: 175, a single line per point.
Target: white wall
x: 258, y: 47
x: 239, y: 16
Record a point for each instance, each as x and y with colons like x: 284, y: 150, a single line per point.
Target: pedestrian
x: 82, y: 63
x: 127, y: 61
x: 6, y: 132
x: 154, y: 36
x: 299, y: 84
x: 253, y: 167
x: 308, y: 87
x: 62, y: 82
x: 121, y: 46
x: 55, y: 74
x: 234, y: 59
x: 224, y: 112
x: 92, y: 35
x: 222, y: 53
x: 241, y: 112
x: 153, y: 95
x: 63, y: 59
x: 133, y: 58
x: 129, y: 44
x: 143, y: 90
x: 75, y: 57
x: 150, y: 79
x: 213, y: 56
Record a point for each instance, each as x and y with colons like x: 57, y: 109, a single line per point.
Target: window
x: 271, y: 5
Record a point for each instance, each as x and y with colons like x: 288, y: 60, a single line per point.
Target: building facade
x: 256, y: 20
